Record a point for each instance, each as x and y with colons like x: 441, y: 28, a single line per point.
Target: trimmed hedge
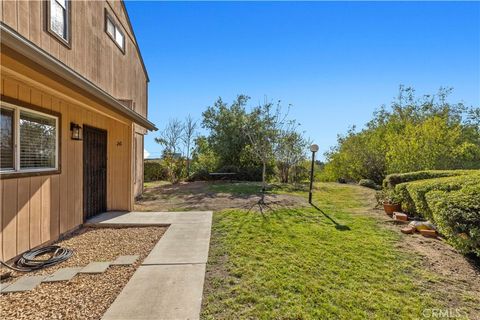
x: 392, y: 180
x: 412, y: 194
x: 457, y: 215
x: 452, y: 203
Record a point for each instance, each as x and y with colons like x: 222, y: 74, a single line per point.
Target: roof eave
x: 23, y: 46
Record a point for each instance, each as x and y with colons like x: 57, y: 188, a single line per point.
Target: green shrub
x: 369, y: 184
x: 412, y: 194
x: 452, y: 203
x: 154, y: 170
x: 457, y: 215
x: 168, y: 168
x: 392, y: 180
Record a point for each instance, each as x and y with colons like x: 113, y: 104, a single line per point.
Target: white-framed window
x: 114, y: 31
x: 59, y: 19
x: 29, y: 140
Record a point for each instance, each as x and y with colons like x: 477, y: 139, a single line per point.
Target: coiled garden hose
x: 28, y: 261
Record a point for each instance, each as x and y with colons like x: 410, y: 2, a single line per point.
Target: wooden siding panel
x: 63, y: 201
x: 10, y: 88
x: 35, y: 25
x: 44, y: 35
x: 54, y: 230
x: 23, y: 216
x: 46, y: 207
x: 55, y: 182
x: 10, y: 13
x: 36, y: 211
x: 9, y: 217
x: 23, y: 24
x: 24, y: 93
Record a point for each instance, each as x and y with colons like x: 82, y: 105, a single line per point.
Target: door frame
x: 105, y: 132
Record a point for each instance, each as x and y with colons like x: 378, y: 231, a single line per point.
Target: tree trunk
x: 264, y: 187
x: 188, y: 160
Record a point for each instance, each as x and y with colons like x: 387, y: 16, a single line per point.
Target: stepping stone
x: 125, y: 260
x: 24, y: 284
x: 64, y: 274
x: 3, y: 286
x: 95, y: 267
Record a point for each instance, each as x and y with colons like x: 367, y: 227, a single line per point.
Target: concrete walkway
x: 169, y: 282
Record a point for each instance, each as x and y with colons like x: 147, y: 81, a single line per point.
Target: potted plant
x: 390, y: 201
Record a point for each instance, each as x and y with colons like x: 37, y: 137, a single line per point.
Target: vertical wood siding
x: 35, y: 210
x: 92, y: 54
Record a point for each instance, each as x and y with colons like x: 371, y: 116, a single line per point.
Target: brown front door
x: 94, y: 171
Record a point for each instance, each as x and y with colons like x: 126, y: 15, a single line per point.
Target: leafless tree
x: 189, y: 131
x: 262, y: 127
x: 171, y: 137
x: 290, y: 149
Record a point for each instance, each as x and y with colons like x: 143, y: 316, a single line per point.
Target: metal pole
x: 311, y: 178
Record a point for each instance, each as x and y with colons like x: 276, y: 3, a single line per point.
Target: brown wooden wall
x: 35, y: 210
x: 138, y: 164
x: 92, y: 54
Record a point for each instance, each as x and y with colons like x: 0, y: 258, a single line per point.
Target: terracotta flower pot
x: 390, y: 208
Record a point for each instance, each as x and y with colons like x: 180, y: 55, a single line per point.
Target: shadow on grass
x: 338, y: 226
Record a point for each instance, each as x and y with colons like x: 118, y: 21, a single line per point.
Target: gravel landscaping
x: 85, y: 296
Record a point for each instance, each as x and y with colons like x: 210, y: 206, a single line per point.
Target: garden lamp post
x: 313, y: 148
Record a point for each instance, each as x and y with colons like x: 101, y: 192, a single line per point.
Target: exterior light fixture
x: 76, y: 131
x: 314, y: 148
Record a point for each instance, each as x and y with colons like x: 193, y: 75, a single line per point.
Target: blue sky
x: 335, y: 62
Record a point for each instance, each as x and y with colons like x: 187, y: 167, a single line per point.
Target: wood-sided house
x: 73, y: 116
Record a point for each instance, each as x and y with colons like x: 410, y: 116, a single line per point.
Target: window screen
x: 6, y: 134
x: 37, y: 141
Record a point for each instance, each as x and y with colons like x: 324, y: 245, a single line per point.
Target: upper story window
x: 59, y: 19
x: 114, y: 31
x: 29, y: 140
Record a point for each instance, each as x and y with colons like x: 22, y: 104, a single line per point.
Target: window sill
x: 63, y: 41
x: 20, y: 174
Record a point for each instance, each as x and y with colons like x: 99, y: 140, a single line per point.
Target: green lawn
x: 301, y: 264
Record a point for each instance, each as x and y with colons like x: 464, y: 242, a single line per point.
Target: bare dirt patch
x: 457, y: 276
x: 197, y: 196
x: 85, y: 296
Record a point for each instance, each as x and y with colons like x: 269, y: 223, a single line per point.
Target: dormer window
x: 59, y: 19
x: 114, y: 31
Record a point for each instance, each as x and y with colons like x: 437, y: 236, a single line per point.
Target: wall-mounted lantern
x: 76, y: 131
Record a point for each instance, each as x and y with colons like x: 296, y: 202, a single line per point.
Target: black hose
x: 28, y: 261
